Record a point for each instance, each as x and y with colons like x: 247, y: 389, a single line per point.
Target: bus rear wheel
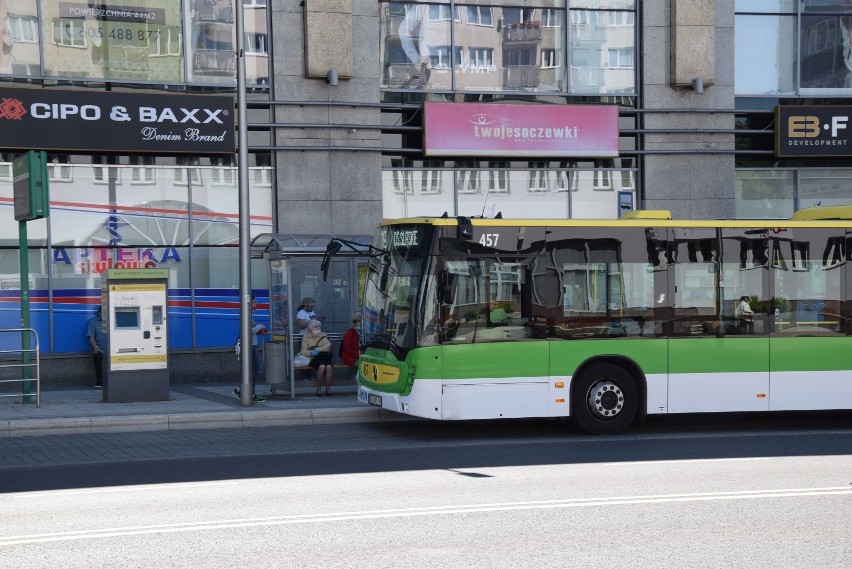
x: 604, y: 400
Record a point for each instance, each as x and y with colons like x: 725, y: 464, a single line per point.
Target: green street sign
x: 29, y: 186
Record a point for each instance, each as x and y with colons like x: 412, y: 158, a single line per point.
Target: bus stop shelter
x: 295, y: 273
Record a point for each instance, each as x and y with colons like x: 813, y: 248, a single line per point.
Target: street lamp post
x: 246, y: 395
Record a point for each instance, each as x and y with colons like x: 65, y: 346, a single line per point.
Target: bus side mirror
x: 331, y: 250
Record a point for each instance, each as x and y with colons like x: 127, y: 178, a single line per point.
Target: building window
x: 430, y: 180
x: 481, y: 58
x: 255, y: 44
x: 499, y: 177
x: 538, y: 177
x: 469, y: 180
x: 5, y: 171
x: 549, y: 18
x: 59, y: 168
x: 187, y: 171
x: 142, y: 171
x: 24, y: 28
x: 602, y: 179
x: 621, y: 58
x: 254, y: 3
x: 69, y: 33
x: 223, y: 172
x: 165, y: 42
x: 622, y: 19
x: 441, y: 12
x: 439, y: 56
x: 479, y: 15
x: 549, y: 58
x: 567, y: 178
x: 103, y: 174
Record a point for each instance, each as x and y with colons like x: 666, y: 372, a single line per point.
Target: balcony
x: 406, y: 26
x: 214, y: 61
x: 530, y: 31
x: 406, y: 74
x: 214, y: 10
x: 520, y: 76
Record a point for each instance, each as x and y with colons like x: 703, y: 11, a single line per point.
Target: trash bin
x: 273, y: 362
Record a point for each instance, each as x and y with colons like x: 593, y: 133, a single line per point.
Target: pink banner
x: 488, y: 129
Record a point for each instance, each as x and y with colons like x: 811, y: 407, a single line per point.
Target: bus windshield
x: 393, y: 284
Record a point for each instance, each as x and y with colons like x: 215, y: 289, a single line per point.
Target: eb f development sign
x: 813, y: 131
x: 489, y: 129
x: 116, y: 122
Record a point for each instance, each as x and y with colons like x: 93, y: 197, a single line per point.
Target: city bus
x: 608, y: 321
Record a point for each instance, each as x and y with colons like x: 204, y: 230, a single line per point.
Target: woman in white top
x: 306, y: 312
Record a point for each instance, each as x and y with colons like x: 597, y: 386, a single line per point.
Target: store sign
x: 116, y: 122
x: 813, y: 131
x: 488, y: 129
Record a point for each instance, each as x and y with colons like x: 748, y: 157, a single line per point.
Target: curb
x: 188, y: 421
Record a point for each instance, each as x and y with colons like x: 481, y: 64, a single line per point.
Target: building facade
x: 336, y: 92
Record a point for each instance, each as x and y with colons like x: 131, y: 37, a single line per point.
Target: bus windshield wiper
x: 386, y: 342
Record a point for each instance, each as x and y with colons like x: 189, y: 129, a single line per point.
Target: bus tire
x: 604, y: 399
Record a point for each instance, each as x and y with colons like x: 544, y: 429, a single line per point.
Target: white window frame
x: 621, y: 57
x: 164, y: 38
x: 622, y: 19
x: 5, y: 171
x: 19, y: 25
x: 479, y: 12
x: 470, y: 182
x: 601, y: 179
x: 250, y: 45
x: 481, y: 58
x: 538, y: 176
x: 254, y: 3
x: 430, y: 182
x: 403, y: 182
x: 183, y: 175
x: 438, y: 53
x: 550, y: 58
x: 628, y: 180
x: 261, y: 176
x: 549, y: 18
x: 59, y: 172
x: 142, y: 172
x: 498, y: 179
x: 442, y: 13
x: 76, y: 38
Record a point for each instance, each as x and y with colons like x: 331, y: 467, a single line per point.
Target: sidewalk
x: 200, y: 406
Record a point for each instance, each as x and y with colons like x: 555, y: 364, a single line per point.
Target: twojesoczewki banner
x: 488, y: 129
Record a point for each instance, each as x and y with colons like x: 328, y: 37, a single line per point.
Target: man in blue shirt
x: 95, y: 335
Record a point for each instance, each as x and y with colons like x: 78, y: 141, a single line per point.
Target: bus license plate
x: 374, y: 400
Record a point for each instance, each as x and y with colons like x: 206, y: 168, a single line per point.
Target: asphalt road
x: 691, y: 492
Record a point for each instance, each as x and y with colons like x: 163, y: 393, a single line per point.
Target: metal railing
x: 29, y: 338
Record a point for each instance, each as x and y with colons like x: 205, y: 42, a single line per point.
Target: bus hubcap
x: 606, y: 399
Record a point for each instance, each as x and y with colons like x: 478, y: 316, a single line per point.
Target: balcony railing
x: 406, y: 74
x: 215, y: 10
x: 530, y: 31
x: 214, y: 61
x: 516, y: 76
x: 397, y: 25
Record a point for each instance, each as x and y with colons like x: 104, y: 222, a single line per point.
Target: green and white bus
x: 608, y: 321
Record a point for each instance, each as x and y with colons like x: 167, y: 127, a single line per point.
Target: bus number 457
x: 489, y: 239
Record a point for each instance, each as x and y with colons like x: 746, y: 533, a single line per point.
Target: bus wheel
x: 604, y: 400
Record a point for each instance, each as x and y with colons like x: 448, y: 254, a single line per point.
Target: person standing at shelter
x: 305, y: 313
x: 257, y: 330
x: 95, y: 336
x: 350, y: 345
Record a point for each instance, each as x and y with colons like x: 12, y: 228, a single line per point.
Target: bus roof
x: 835, y: 216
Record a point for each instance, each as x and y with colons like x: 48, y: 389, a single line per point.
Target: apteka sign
x: 116, y: 122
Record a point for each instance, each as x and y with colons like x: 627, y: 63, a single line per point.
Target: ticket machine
x: 135, y: 324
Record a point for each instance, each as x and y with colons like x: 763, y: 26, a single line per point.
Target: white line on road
x: 425, y: 511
